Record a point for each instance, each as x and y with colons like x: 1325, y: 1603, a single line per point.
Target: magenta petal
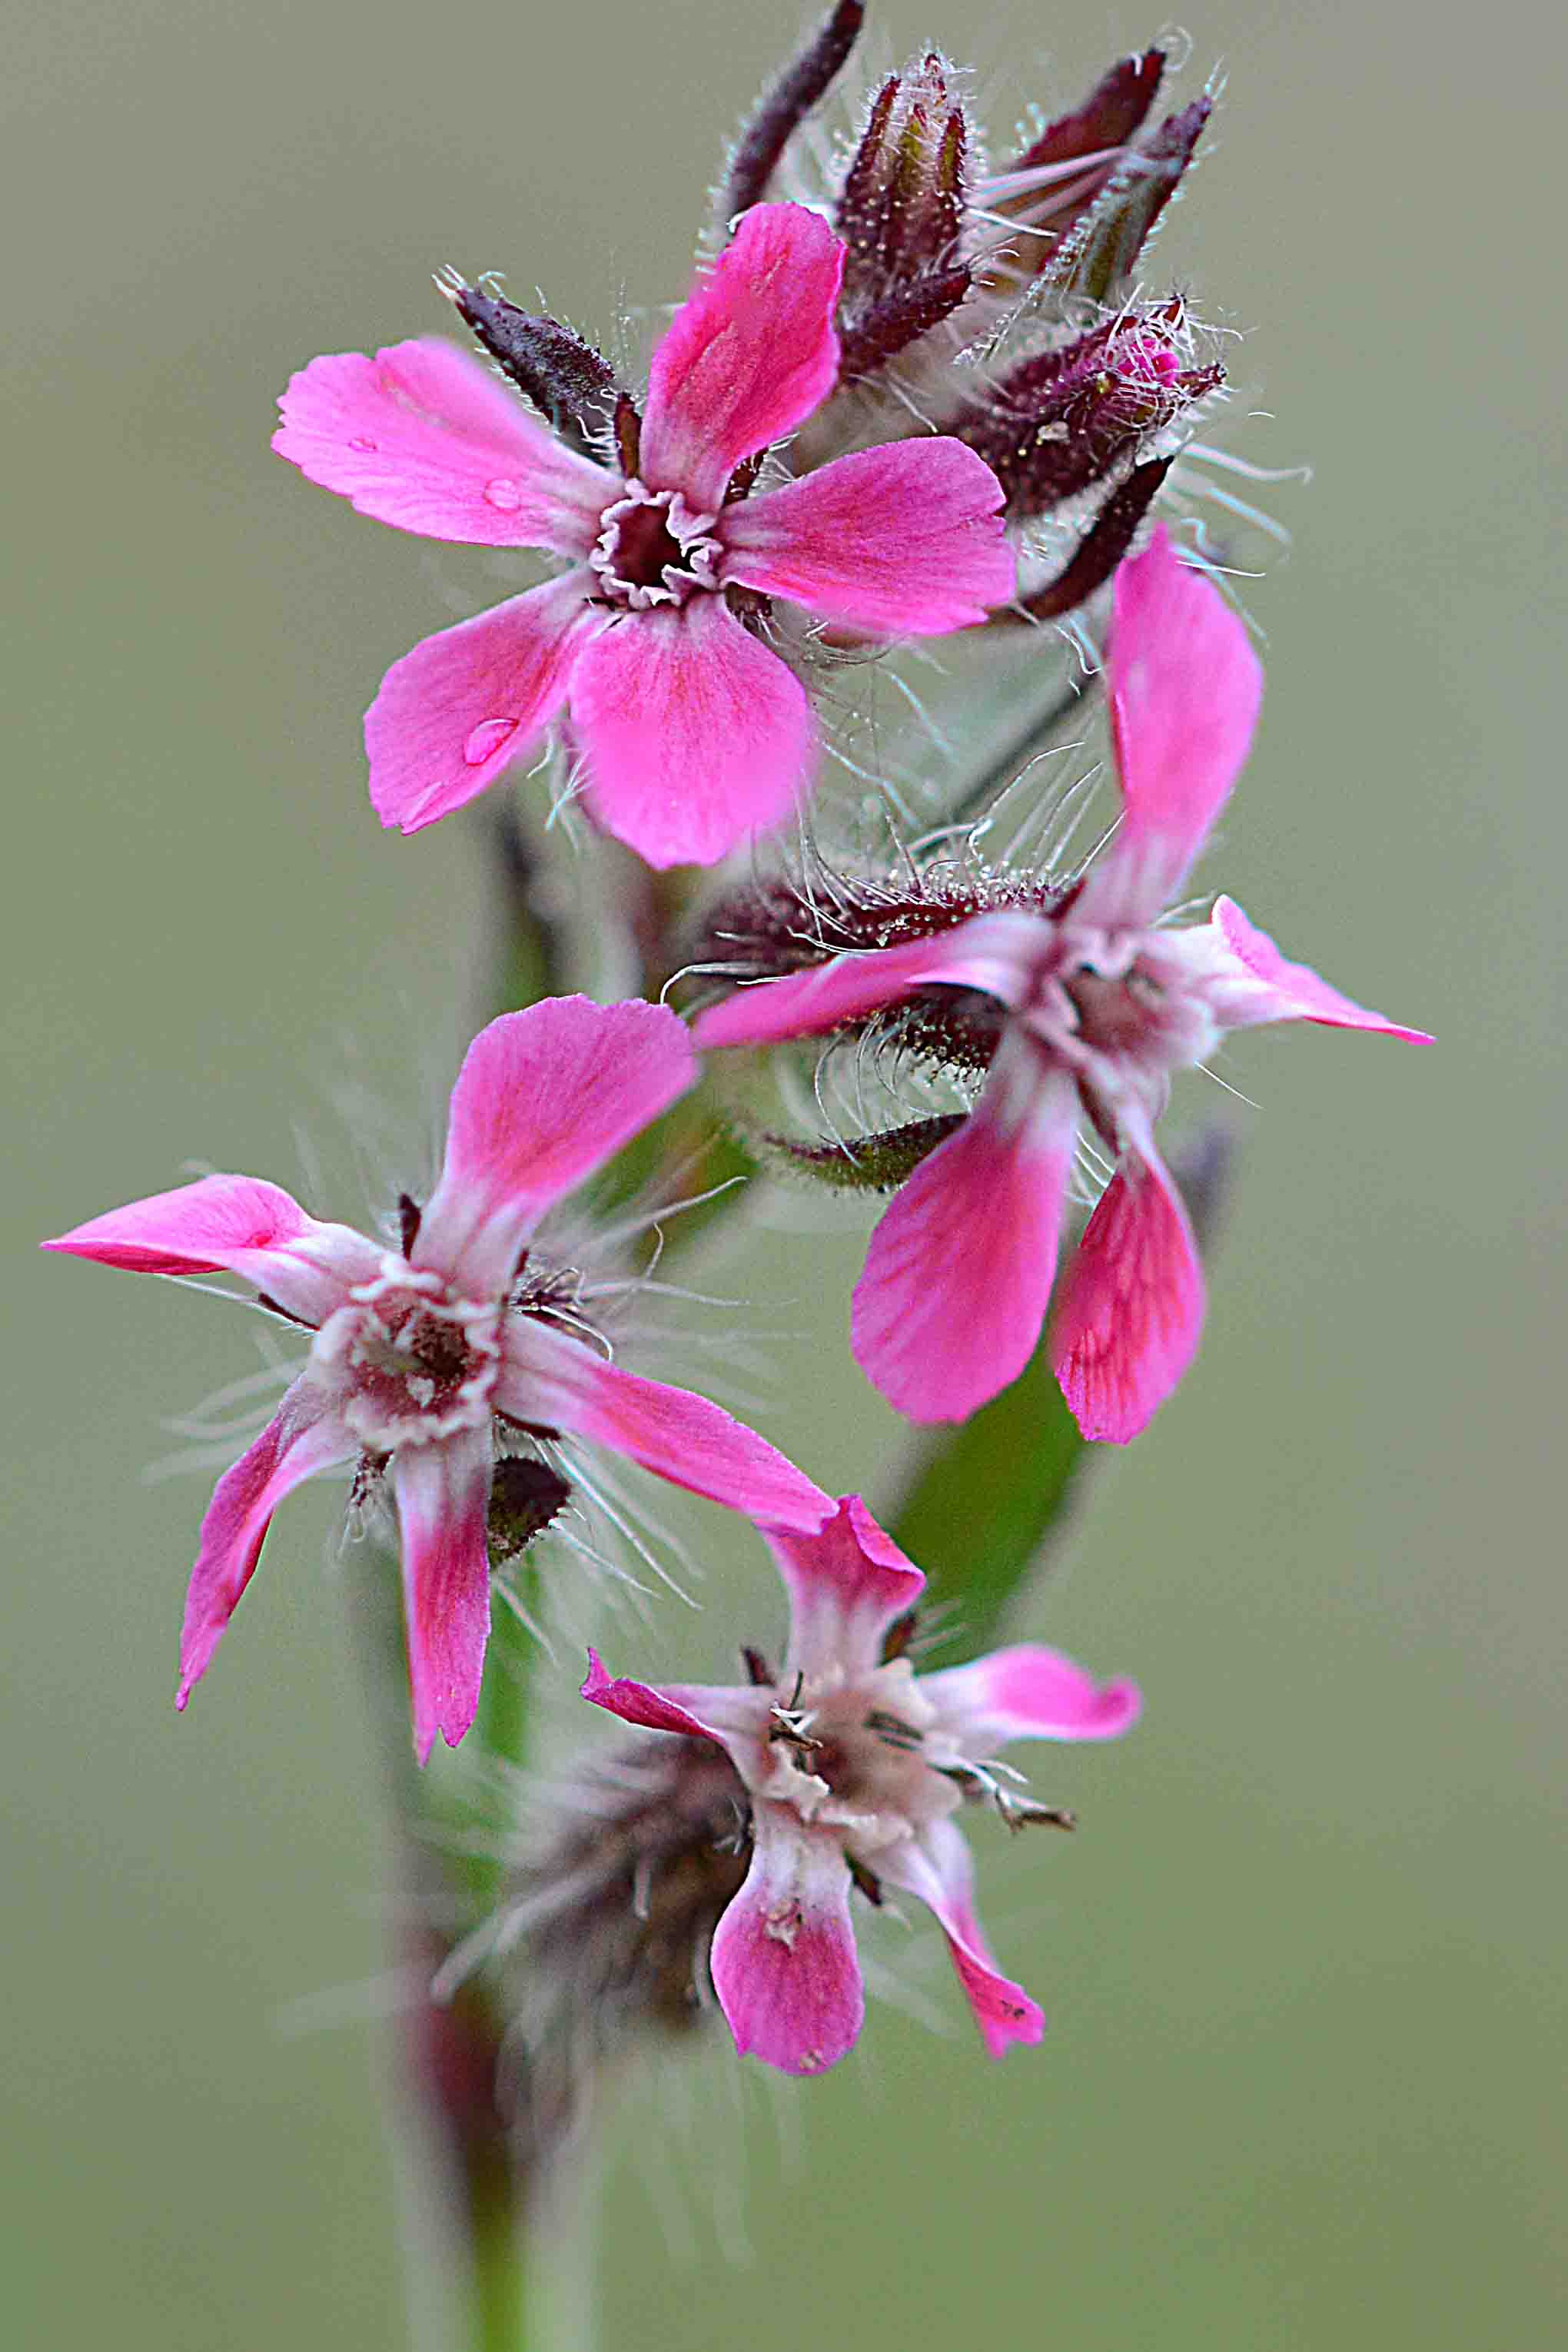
x: 454, y: 714
x: 847, y: 1584
x: 1028, y: 1693
x: 443, y: 1501
x: 1131, y: 1306
x: 784, y: 1964
x: 232, y: 1224
x: 905, y: 540
x: 1185, y: 687
x: 949, y: 1306
x: 1267, y: 987
x: 748, y: 356
x: 695, y: 735
x: 640, y: 1703
x: 546, y: 1377
x: 300, y: 1440
x: 424, y: 437
x: 990, y: 951
x: 544, y: 1096
x: 938, y: 1870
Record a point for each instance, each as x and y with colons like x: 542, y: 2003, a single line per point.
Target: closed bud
x: 1097, y: 261
x: 566, y: 379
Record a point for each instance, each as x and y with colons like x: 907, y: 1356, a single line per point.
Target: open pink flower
x: 855, y: 1766
x: 423, y: 1358
x: 1103, y: 1004
x: 694, y: 733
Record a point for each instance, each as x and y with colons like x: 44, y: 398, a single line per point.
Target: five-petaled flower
x: 693, y: 732
x: 855, y: 1765
x: 419, y: 1354
x: 1100, y: 1003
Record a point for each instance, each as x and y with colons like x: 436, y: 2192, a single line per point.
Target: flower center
x: 410, y: 1359
x: 653, y: 550
x: 863, y: 1756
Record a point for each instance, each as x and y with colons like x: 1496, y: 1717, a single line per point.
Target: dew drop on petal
x: 487, y: 739
x: 503, y: 494
x: 366, y: 448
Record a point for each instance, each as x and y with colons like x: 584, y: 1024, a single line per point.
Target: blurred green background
x: 1303, y: 1963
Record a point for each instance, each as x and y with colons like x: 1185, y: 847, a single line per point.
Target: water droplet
x: 504, y: 494
x: 366, y: 448
x: 487, y: 739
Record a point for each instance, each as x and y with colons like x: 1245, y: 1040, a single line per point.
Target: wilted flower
x: 693, y: 731
x: 854, y: 1766
x: 1093, y: 1004
x: 428, y: 1360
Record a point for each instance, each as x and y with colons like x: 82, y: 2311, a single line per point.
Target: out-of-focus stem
x: 495, y: 2249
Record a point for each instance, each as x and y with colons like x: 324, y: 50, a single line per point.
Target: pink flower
x: 1102, y: 1005
x: 422, y: 1358
x: 855, y: 1766
x: 694, y: 733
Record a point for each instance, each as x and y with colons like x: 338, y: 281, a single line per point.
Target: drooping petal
x: 454, y: 714
x: 547, y: 1377
x: 424, y: 437
x: 1185, y: 687
x: 691, y: 1710
x: 1131, y: 1306
x: 784, y: 1964
x: 544, y: 1097
x: 302, y: 1439
x: 993, y: 952
x: 232, y: 1224
x: 949, y: 1306
x: 1028, y: 1693
x: 905, y: 540
x: 1244, y: 979
x: 695, y: 735
x: 443, y: 1497
x: 847, y: 1584
x: 748, y: 356
x: 938, y: 1870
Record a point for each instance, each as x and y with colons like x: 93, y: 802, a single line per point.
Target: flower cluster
x: 913, y: 392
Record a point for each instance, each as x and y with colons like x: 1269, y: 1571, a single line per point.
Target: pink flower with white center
x: 1101, y: 1005
x: 855, y: 1766
x: 694, y: 734
x: 423, y: 1358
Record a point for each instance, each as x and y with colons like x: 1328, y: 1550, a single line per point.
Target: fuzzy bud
x: 1097, y: 261
x: 901, y: 215
x: 565, y: 378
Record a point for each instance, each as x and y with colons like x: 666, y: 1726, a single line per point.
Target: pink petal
x: 748, y: 356
x: 949, y: 1306
x: 695, y: 735
x: 1028, y: 1693
x: 1185, y: 687
x: 548, y: 1378
x: 1251, y: 981
x: 233, y: 1224
x: 847, y: 1585
x: 905, y: 540
x: 302, y: 1440
x: 544, y: 1096
x: 995, y: 952
x: 939, y: 1870
x: 443, y: 1501
x: 423, y: 437
x: 454, y: 714
x: 785, y: 1965
x: 640, y: 1703
x: 1131, y: 1306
